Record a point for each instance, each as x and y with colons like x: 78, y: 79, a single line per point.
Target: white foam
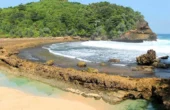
x: 67, y: 56
x: 101, y: 51
x: 119, y: 65
x: 83, y: 60
x: 159, y: 45
x: 55, y: 53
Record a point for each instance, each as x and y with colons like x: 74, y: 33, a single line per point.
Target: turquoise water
x: 41, y: 89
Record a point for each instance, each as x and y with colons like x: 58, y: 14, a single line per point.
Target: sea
x: 102, y: 51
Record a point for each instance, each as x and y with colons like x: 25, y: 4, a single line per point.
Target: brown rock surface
x: 114, y: 60
x: 81, y: 64
x: 50, y: 62
x: 146, y: 59
x: 92, y: 70
x: 143, y: 32
x: 149, y: 69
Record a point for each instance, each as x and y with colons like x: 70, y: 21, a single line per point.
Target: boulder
x: 102, y: 64
x: 81, y: 64
x: 114, y: 60
x: 92, y: 70
x: 147, y: 59
x: 50, y: 62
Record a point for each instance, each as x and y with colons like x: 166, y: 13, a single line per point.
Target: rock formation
x: 114, y: 60
x: 50, y: 62
x: 142, y: 32
x: 81, y: 64
x: 150, y: 59
x: 147, y: 59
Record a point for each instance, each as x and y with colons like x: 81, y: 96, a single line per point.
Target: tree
x: 60, y: 18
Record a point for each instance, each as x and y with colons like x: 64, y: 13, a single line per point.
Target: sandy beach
x: 11, y: 99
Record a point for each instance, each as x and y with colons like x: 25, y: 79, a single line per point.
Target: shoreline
x: 39, y: 54
x: 133, y: 88
x: 20, y: 100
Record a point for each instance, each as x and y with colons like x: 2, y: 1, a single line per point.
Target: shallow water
x: 41, y: 89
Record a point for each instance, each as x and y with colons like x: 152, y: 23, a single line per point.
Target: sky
x: 156, y: 12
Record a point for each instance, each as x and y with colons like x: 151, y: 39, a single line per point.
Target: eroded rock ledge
x: 112, y: 86
x: 142, y: 32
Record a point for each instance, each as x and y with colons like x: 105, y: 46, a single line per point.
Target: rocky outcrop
x: 164, y: 57
x: 142, y: 32
x: 114, y: 60
x: 147, y: 59
x: 160, y: 65
x: 150, y: 59
x: 149, y: 69
x: 50, y: 62
x: 92, y: 70
x: 81, y: 64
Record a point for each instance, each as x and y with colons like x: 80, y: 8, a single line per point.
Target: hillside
x: 62, y: 18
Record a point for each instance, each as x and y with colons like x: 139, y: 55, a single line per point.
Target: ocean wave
x: 102, y: 51
x: 159, y: 45
x: 123, y: 65
x: 67, y: 56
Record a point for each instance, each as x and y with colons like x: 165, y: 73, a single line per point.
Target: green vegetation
x: 62, y: 18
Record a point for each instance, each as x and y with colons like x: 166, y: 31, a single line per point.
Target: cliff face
x: 143, y: 32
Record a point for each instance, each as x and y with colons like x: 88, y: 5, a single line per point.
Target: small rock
x: 92, y: 70
x: 50, y: 62
x: 96, y: 96
x: 102, y: 64
x: 81, y: 64
x: 114, y: 60
x: 164, y: 57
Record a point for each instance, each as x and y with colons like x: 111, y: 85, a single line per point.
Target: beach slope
x: 11, y: 99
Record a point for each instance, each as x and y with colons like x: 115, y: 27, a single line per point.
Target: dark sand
x: 39, y: 54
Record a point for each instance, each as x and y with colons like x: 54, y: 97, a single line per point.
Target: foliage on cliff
x: 61, y: 18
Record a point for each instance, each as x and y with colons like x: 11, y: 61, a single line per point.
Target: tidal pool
x: 40, y: 89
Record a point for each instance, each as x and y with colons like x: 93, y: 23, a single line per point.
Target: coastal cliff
x: 141, y: 33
